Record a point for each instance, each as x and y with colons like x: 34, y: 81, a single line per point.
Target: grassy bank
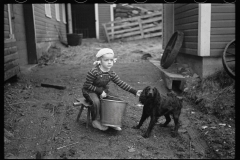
x: 214, y: 98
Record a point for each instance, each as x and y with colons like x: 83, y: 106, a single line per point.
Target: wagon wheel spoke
x: 230, y: 60
x: 231, y: 53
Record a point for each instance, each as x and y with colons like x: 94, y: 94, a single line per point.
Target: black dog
x: 156, y: 106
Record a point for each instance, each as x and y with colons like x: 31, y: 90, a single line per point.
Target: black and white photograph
x: 119, y: 80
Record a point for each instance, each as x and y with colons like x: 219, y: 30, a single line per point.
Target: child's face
x: 107, y: 61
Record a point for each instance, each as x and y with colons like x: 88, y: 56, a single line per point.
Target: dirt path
x: 43, y: 119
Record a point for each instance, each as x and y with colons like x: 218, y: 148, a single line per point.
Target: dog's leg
x: 143, y: 118
x: 176, y: 122
x: 150, y: 127
x: 168, y: 119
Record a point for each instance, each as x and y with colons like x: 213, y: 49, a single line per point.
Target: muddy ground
x: 40, y: 119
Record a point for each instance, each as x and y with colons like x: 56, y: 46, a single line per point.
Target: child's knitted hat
x: 103, y: 51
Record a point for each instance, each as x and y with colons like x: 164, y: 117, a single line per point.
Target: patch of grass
x: 214, y: 95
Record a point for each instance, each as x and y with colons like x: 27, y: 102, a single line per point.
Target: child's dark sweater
x: 97, y: 81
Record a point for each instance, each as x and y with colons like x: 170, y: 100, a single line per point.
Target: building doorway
x: 83, y: 17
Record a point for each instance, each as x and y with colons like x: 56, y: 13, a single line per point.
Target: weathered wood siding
x: 186, y: 20
x: 19, y: 32
x: 45, y: 27
x: 11, y: 57
x: 104, y: 17
x: 222, y: 27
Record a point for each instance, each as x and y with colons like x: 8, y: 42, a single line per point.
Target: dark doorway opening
x: 83, y: 17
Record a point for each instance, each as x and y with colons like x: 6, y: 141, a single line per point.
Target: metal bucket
x: 112, y: 112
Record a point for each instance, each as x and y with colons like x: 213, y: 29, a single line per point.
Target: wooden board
x: 134, y: 28
x: 11, y: 57
x: 11, y: 64
x: 11, y: 72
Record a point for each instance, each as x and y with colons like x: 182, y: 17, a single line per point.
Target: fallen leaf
x: 204, y: 127
x: 131, y: 150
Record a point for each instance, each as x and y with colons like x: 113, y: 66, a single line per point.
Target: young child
x: 96, y: 84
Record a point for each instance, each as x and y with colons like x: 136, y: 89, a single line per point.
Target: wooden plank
x: 57, y: 86
x: 133, y: 29
x: 6, y: 21
x: 39, y: 9
x: 189, y: 51
x: 11, y: 64
x: 218, y: 45
x: 190, y: 45
x: 152, y: 20
x: 140, y: 27
x: 188, y: 7
x: 145, y: 36
x: 223, y: 16
x: 138, y: 32
x: 224, y: 9
x: 9, y: 43
x: 186, y: 20
x: 6, y: 34
x: 222, y: 24
x: 11, y: 72
x: 127, y: 34
x: 6, y: 14
x: 135, y: 18
x: 6, y: 27
x: 178, y: 5
x: 216, y: 52
x: 187, y: 26
x: 10, y: 50
x: 223, y: 31
x: 134, y: 24
x: 190, y: 39
x: 220, y: 38
x: 125, y: 30
x: 190, y: 32
x: 11, y: 57
x: 186, y: 14
x: 122, y: 26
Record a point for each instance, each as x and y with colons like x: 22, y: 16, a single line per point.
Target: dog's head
x: 149, y: 93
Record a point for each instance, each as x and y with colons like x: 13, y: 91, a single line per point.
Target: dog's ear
x: 145, y: 90
x: 142, y: 98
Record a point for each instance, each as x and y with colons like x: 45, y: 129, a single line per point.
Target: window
x: 64, y: 13
x: 57, y: 12
x: 48, y: 10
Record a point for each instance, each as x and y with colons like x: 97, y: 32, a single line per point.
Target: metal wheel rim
x: 230, y: 72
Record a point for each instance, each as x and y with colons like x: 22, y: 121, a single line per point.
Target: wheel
x: 172, y: 49
x: 228, y: 59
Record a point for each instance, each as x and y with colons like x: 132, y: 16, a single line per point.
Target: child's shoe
x: 117, y: 128
x: 97, y: 124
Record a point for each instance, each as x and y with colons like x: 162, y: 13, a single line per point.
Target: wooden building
x: 207, y: 30
x: 31, y: 29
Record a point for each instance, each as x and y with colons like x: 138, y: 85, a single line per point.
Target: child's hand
x: 139, y: 93
x: 104, y: 94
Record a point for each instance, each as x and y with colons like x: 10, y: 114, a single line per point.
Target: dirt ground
x: 40, y: 119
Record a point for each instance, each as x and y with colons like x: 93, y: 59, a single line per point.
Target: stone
x: 135, y: 12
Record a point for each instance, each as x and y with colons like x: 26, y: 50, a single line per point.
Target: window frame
x: 48, y: 10
x: 57, y: 11
x: 64, y: 13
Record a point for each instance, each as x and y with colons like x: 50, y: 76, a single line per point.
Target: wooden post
x: 104, y: 26
x: 140, y: 27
